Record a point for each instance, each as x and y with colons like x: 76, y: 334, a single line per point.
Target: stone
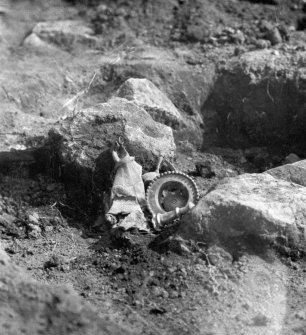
x: 7, y: 220
x: 34, y: 231
x: 295, y: 173
x: 135, y: 220
x: 187, y: 86
x: 65, y: 34
x: 23, y: 125
x: 34, y: 218
x: 4, y: 257
x: 249, y: 205
x: 145, y: 94
x: 262, y: 44
x: 274, y: 36
x: 29, y: 307
x: 93, y: 130
x: 209, y: 165
x: 33, y: 41
x: 83, y: 143
x: 292, y: 158
x: 218, y: 256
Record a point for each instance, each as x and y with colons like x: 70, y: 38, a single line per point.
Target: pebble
x: 274, y: 36
x: 171, y: 270
x: 160, y: 292
x: 34, y: 218
x: 173, y: 294
x: 292, y: 158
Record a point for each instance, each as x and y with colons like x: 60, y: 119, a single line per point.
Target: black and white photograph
x: 152, y: 167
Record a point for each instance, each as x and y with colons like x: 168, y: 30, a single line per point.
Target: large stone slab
x: 249, y: 204
x: 295, y: 172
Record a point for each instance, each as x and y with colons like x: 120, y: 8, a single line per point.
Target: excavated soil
x: 146, y: 286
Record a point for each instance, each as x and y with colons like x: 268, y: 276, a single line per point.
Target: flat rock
x: 249, y: 204
x: 65, y: 34
x: 295, y: 173
x: 145, y: 94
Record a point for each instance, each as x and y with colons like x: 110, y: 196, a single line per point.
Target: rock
x: 83, y: 143
x: 250, y: 204
x: 237, y: 37
x: 218, y: 256
x: 292, y: 158
x: 18, y: 127
x: 187, y: 86
x: 52, y: 187
x: 29, y: 307
x: 65, y: 34
x: 274, y: 36
x: 266, y: 78
x: 34, y: 218
x: 145, y: 94
x: 92, y: 131
x: 53, y: 262
x: 4, y: 257
x: 7, y: 220
x: 295, y: 172
x: 262, y: 44
x: 33, y: 41
x: 205, y: 170
x: 35, y: 231
x: 209, y: 165
x: 135, y: 220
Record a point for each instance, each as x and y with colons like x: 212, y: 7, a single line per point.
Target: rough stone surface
x: 187, y: 86
x: 250, y: 204
x: 145, y: 94
x: 32, y: 308
x: 17, y: 128
x: 295, y: 172
x: 93, y: 131
x: 258, y: 99
x: 82, y: 143
x: 65, y: 34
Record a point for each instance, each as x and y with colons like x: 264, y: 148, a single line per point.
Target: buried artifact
x: 168, y: 196
x: 171, y: 195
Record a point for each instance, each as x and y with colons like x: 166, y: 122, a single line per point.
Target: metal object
x: 170, y: 195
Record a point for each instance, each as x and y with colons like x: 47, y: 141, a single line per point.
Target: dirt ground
x: 250, y: 289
